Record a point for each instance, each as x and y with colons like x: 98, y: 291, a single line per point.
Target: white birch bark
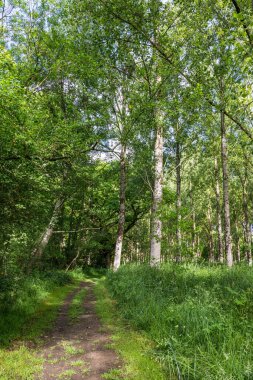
x: 178, y: 202
x: 218, y: 212
x: 122, y: 209
x: 211, y: 242
x: 47, y: 234
x: 156, y: 223
x: 246, y: 224
x: 225, y: 177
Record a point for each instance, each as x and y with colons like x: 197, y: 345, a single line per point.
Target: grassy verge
x: 77, y: 305
x: 132, y: 346
x: 34, y: 310
x: 200, y: 318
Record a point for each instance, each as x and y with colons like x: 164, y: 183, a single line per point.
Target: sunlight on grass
x: 77, y: 363
x: 20, y: 363
x: 47, y: 312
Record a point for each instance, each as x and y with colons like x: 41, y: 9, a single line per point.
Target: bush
x: 57, y: 278
x: 8, y: 290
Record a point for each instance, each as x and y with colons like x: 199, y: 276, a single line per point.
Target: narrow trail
x: 78, y: 349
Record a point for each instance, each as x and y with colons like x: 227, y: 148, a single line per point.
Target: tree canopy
x: 128, y: 125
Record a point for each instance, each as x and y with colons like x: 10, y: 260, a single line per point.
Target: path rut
x: 78, y: 350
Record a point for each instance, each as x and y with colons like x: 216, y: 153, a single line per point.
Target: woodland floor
x: 78, y: 349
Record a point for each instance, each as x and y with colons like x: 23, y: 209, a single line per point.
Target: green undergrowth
x: 27, y: 317
x: 134, y: 348
x: 37, y: 300
x: 200, y: 318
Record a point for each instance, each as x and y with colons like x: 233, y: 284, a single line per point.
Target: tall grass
x: 134, y: 349
x: 199, y: 317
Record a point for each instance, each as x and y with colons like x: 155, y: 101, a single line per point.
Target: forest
x: 126, y: 143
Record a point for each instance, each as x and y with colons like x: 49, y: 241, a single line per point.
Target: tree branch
x: 238, y: 11
x: 46, y: 158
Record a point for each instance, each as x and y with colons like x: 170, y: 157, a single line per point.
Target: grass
x: 113, y: 374
x: 67, y: 374
x: 70, y: 349
x: 77, y: 305
x: 200, y: 318
x: 20, y: 363
x: 133, y: 347
x: 28, y: 316
x: 77, y: 363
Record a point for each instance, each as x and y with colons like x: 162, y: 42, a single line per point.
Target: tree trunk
x: 178, y: 202
x: 193, y: 223
x: 194, y: 233
x: 198, y: 247
x: 156, y: 223
x: 218, y: 212
x: 238, y: 251
x: 122, y: 208
x: 69, y: 239
x: 211, y: 242
x: 246, y: 224
x: 73, y: 262
x: 238, y: 248
x: 224, y: 158
x: 47, y: 234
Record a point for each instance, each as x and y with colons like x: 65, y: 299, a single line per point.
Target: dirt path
x: 78, y: 350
